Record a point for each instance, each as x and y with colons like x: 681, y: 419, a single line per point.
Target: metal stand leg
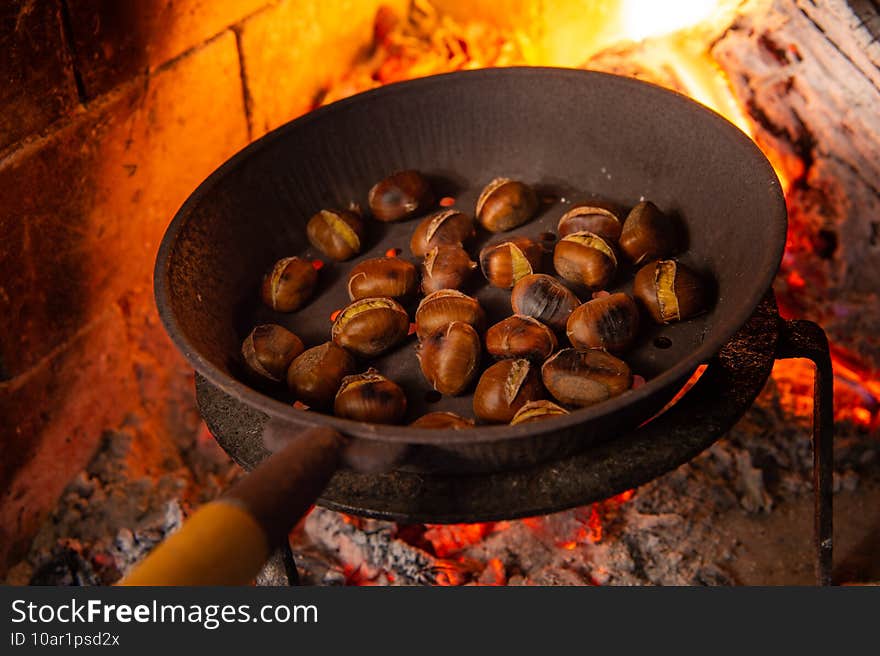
x: 804, y: 339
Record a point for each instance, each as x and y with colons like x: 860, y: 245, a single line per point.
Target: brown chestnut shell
x: 269, y: 349
x: 391, y: 277
x: 289, y: 284
x: 600, y: 218
x: 446, y: 267
x: 537, y: 411
x: 450, y: 357
x: 544, y: 298
x: 445, y: 306
x: 316, y: 374
x: 584, y: 377
x: 609, y: 322
x: 504, y: 388
x: 585, y: 259
x: 649, y: 234
x: 338, y: 234
x: 520, y: 336
x: 504, y: 263
x: 443, y: 420
x: 370, y: 397
x: 505, y: 204
x: 444, y: 228
x: 400, y: 196
x: 670, y: 291
x: 370, y: 326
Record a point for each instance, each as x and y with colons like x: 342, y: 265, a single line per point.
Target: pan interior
x: 574, y: 135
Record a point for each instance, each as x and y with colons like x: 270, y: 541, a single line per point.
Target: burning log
x: 809, y: 76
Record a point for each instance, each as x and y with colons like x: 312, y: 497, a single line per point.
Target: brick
x: 52, y: 422
x: 36, y: 75
x: 84, y: 211
x: 115, y: 41
x: 292, y: 51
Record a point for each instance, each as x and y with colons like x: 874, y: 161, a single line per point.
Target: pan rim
x: 678, y: 373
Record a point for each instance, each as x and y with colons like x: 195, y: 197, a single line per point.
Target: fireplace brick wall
x: 110, y: 114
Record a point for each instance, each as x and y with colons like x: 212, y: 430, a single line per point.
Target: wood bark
x: 806, y: 74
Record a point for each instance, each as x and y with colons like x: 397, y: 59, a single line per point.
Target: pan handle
x: 227, y: 541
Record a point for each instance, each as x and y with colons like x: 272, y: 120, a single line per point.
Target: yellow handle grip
x: 220, y: 544
x: 226, y: 542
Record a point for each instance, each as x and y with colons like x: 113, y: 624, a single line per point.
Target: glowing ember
x: 298, y: 405
x: 392, y: 252
x: 447, y: 540
x: 447, y: 201
x: 317, y: 265
x: 335, y: 314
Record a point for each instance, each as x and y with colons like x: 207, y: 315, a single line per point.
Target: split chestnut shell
x: 504, y: 388
x: 446, y: 267
x: 504, y: 263
x: 544, y: 298
x: 584, y: 258
x: 520, y: 336
x: 648, y: 234
x: 269, y: 349
x: 370, y: 326
x: 444, y: 228
x: 599, y: 218
x: 289, y: 284
x: 441, y: 308
x: 443, y: 420
x: 370, y: 397
x: 536, y: 411
x: 609, y: 322
x: 584, y: 377
x: 450, y: 357
x: 338, y: 234
x: 391, y: 277
x: 505, y: 204
x: 315, y: 375
x: 670, y: 291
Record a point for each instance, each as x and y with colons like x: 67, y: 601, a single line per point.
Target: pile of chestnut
x: 530, y: 368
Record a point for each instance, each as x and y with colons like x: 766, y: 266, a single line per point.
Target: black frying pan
x: 571, y: 133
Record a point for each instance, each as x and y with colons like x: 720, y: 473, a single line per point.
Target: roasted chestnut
x: 370, y: 326
x: 648, y: 234
x: 506, y: 262
x: 585, y: 259
x: 315, y: 375
x: 536, y: 411
x: 505, y: 204
x: 400, y: 196
x: 599, y: 218
x: 441, y: 420
x: 289, y: 284
x: 370, y: 397
x: 269, y: 350
x: 445, y: 306
x: 544, y: 298
x: 670, y: 291
x: 338, y: 234
x: 450, y: 357
x: 520, y: 336
x: 446, y: 267
x: 383, y: 276
x: 445, y: 228
x: 504, y: 388
x: 609, y: 322
x: 582, y: 377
